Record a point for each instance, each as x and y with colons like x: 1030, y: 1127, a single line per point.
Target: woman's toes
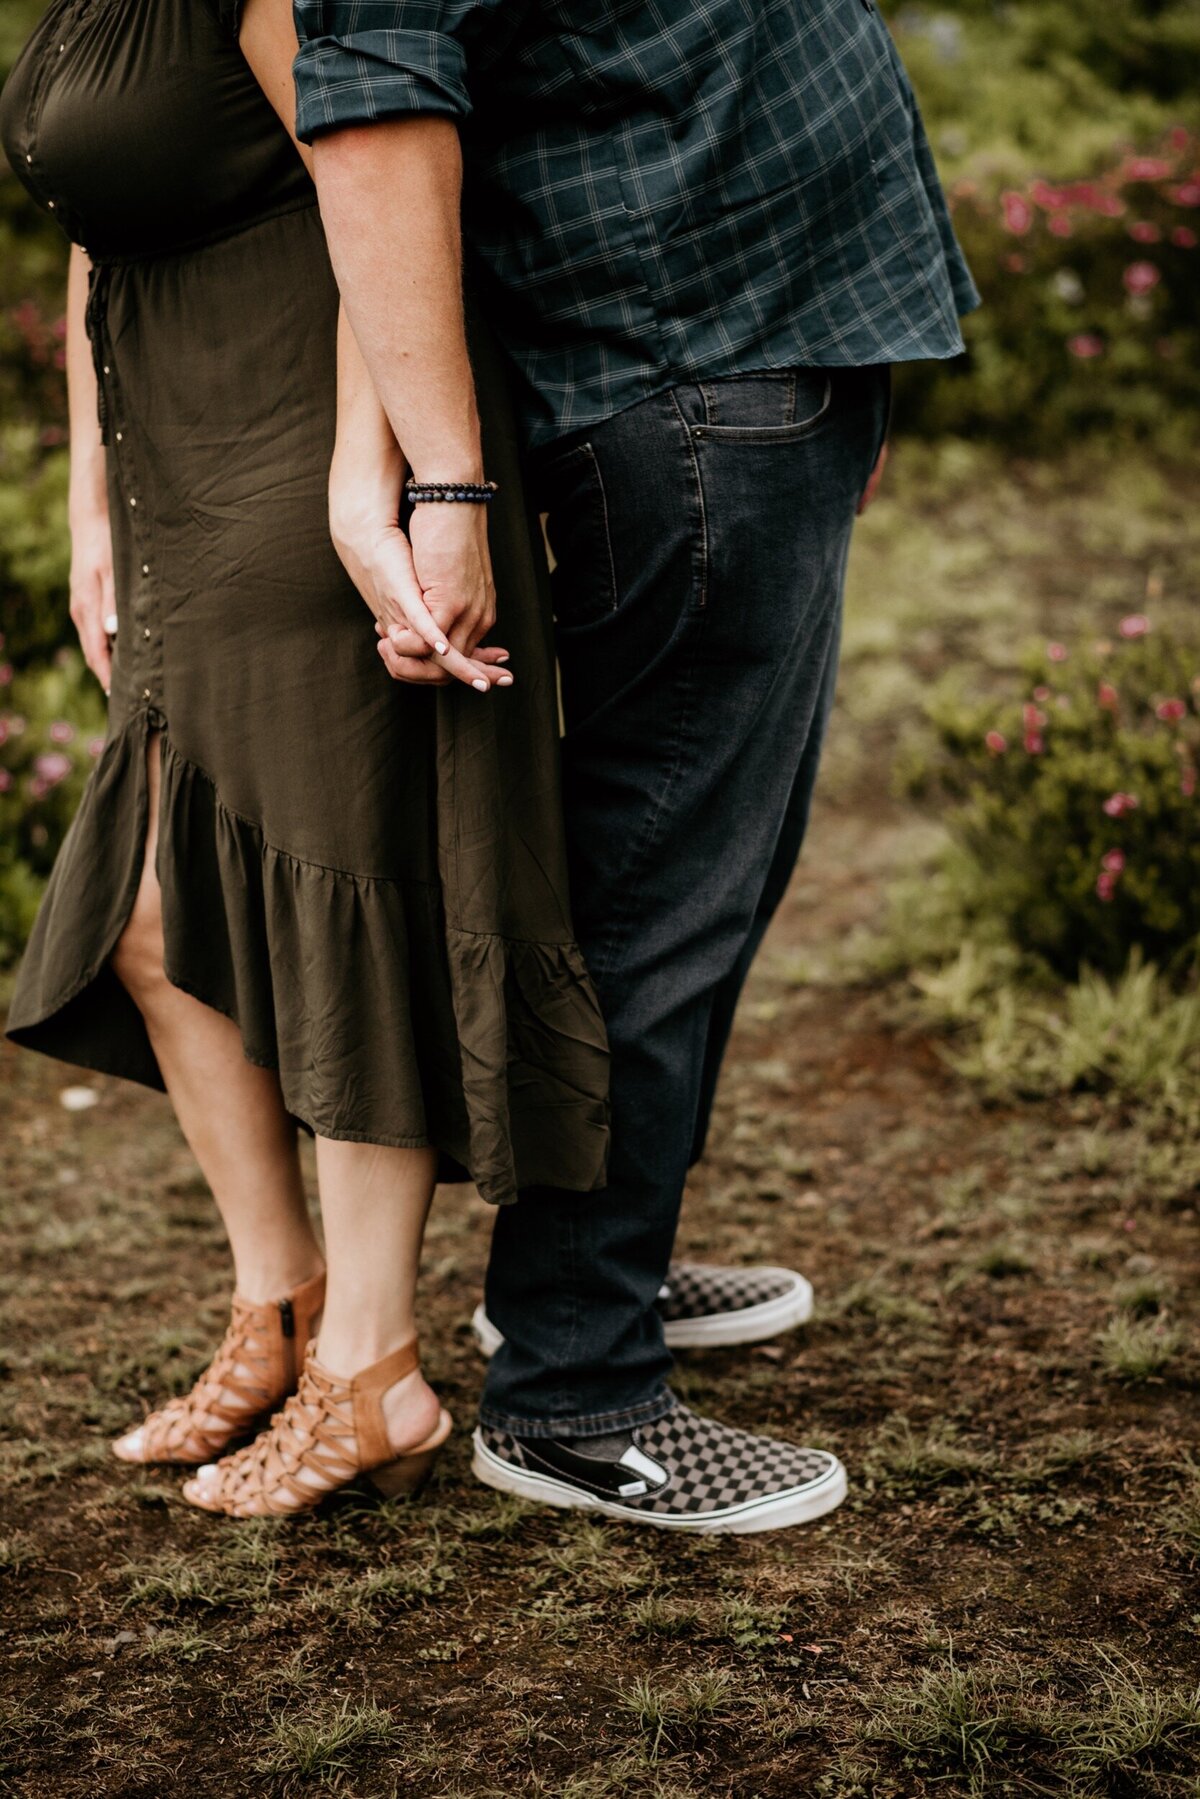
x: 130, y: 1447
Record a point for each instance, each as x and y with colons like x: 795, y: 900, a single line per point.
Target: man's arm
x: 368, y: 467
x: 390, y: 198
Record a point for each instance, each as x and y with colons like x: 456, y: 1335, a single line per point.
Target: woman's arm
x: 93, y: 606
x: 368, y: 469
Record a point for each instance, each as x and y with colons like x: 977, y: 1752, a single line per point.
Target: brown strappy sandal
x: 331, y: 1431
x: 253, y: 1372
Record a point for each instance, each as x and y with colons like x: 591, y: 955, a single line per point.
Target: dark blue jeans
x: 701, y: 542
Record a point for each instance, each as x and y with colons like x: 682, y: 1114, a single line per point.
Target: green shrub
x: 1089, y: 320
x: 51, y: 731
x: 1074, y: 810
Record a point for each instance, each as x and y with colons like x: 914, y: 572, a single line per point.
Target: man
x: 704, y: 230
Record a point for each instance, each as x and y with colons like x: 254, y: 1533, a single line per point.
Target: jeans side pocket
x: 584, y: 579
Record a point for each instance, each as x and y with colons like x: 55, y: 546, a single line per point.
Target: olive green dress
x: 368, y: 878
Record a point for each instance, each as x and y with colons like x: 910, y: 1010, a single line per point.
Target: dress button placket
x: 145, y: 648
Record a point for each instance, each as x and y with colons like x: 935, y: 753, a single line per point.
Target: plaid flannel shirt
x: 659, y: 190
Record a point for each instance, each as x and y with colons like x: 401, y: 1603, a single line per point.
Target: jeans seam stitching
x: 612, y: 563
x: 702, y: 574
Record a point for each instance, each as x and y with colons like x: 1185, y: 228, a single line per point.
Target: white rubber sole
x: 753, y: 1324
x: 777, y: 1511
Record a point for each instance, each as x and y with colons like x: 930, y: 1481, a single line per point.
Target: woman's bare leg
x: 230, y: 1111
x: 374, y: 1203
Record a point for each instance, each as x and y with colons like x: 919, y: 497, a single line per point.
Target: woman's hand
x: 93, y: 598
x: 414, y: 644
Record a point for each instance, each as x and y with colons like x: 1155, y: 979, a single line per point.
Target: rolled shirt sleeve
x: 361, y: 61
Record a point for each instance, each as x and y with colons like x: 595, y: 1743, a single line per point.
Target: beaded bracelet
x: 475, y: 493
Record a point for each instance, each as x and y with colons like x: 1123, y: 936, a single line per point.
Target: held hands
x: 93, y: 601
x: 431, y: 592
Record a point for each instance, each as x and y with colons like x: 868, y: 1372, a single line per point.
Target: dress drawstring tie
x: 96, y: 324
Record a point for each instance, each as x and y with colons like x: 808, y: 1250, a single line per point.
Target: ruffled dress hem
x: 384, y: 1023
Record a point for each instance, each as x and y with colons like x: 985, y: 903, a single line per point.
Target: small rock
x: 112, y: 1644
x: 78, y: 1099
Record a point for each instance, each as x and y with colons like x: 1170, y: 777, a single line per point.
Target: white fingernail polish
x: 480, y: 686
x: 441, y: 647
x: 504, y: 681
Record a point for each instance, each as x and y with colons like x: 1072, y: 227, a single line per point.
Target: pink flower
x: 1106, y: 886
x: 1186, y: 195
x: 996, y: 742
x: 1059, y: 225
x: 1118, y: 804
x: 1106, y: 696
x: 1144, y: 231
x: 1018, y: 214
x: 1171, y: 711
x: 1035, y: 743
x: 61, y: 731
x: 1187, y: 783
x: 1141, y: 278
x: 38, y: 788
x: 5, y: 780
x: 1046, y: 196
x: 6, y: 674
x: 1147, y: 168
x: 1135, y: 625
x: 95, y: 747
x: 1085, y: 345
x: 1110, y: 206
x: 1113, y: 861
x: 1032, y: 717
x: 1041, y: 694
x: 1184, y: 238
x: 1057, y: 652
x: 1014, y: 262
x: 52, y: 767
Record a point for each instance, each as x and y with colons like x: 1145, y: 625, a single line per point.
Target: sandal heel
x: 408, y: 1473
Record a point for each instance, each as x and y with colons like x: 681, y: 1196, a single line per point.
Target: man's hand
x: 93, y: 602
x: 872, y: 487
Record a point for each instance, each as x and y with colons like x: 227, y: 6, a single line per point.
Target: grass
x: 1138, y: 1349
x: 951, y: 1723
x: 1132, y: 1730
x: 326, y: 1740
x: 665, y: 1710
x: 237, y: 1568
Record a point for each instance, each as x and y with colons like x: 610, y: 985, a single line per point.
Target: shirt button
x: 145, y: 693
x: 29, y: 159
x: 146, y: 632
x: 50, y: 204
x: 133, y: 502
x: 107, y: 370
x: 120, y: 437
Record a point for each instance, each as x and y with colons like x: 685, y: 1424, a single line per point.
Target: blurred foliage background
x: 1069, y: 141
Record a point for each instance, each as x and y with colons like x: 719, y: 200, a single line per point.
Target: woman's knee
x: 138, y: 957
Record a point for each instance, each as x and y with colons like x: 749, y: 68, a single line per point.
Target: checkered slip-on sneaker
x: 682, y: 1472
x: 703, y: 1308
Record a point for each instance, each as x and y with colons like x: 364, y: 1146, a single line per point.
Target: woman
x: 295, y: 890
